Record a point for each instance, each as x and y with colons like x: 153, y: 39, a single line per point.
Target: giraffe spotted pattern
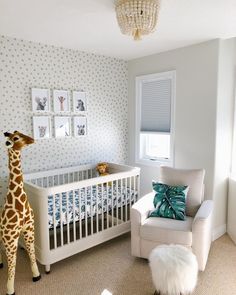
x: 17, y: 217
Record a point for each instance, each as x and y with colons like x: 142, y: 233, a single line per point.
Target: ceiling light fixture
x: 137, y: 17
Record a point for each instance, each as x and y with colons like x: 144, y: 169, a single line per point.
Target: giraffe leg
x: 29, y: 243
x: 1, y: 262
x: 11, y: 251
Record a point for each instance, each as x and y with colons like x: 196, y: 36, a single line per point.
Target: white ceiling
x: 90, y: 25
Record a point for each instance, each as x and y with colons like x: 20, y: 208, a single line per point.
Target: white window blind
x: 156, y: 106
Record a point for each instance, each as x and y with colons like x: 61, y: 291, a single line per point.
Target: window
x: 155, y: 118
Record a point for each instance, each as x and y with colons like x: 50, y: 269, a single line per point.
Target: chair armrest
x: 203, y: 213
x: 142, y: 207
x: 201, y: 229
x: 139, y: 212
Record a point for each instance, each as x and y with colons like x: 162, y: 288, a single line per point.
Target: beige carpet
x: 110, y: 266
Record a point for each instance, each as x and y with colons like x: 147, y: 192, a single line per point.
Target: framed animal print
x: 40, y: 100
x: 41, y: 127
x: 62, y: 126
x: 80, y: 126
x: 61, y: 101
x: 79, y: 101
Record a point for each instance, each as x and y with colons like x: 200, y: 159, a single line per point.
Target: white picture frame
x: 40, y: 100
x: 79, y: 101
x: 80, y: 126
x: 61, y: 101
x: 42, y: 127
x: 62, y: 126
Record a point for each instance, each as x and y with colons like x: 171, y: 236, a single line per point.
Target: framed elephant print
x: 40, y: 100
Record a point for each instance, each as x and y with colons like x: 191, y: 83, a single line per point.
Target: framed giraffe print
x: 62, y: 126
x: 80, y: 126
x: 61, y: 101
x: 40, y: 100
x: 79, y: 101
x: 42, y: 127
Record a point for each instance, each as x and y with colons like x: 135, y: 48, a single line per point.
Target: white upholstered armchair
x: 194, y: 232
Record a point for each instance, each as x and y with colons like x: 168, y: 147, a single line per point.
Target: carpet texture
x: 109, y: 266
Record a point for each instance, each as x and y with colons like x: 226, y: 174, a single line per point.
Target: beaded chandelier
x: 137, y: 17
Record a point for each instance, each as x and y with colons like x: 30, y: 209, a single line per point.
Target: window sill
x: 154, y: 162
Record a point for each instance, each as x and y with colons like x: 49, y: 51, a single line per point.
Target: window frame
x: 138, y: 95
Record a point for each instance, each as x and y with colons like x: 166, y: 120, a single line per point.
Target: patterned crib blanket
x: 121, y: 197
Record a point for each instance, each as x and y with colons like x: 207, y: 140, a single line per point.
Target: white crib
x: 75, y: 209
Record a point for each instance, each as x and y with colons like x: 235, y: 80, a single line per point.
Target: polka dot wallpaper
x: 25, y: 65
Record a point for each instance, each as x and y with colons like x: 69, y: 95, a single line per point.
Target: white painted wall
x: 202, y: 91
x: 224, y: 128
x: 196, y: 78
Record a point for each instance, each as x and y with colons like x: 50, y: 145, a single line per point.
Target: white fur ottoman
x: 174, y: 270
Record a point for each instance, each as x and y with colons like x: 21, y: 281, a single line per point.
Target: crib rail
x: 74, y: 206
x: 77, y: 214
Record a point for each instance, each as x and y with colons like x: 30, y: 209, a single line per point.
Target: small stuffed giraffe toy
x: 17, y: 216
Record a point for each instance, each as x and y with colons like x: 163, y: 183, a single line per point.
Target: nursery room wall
x: 25, y: 65
x: 205, y: 75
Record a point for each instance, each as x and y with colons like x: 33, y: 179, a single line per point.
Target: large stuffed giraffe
x: 17, y: 216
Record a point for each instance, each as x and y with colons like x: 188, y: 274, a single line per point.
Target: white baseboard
x: 218, y: 232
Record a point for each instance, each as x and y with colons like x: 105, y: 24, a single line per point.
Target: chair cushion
x: 169, y: 201
x: 167, y: 231
x: 192, y: 178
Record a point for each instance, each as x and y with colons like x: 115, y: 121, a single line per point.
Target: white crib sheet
x: 121, y: 197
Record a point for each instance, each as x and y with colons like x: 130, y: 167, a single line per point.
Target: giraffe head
x: 17, y: 140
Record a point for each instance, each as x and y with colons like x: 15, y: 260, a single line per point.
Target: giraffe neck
x: 15, y: 165
x: 16, y: 196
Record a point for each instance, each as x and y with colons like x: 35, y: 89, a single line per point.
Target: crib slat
x: 107, y: 205
x: 121, y: 196
x: 134, y: 189
x: 67, y: 218
x: 112, y: 205
x: 91, y: 208
x: 126, y: 199
x: 138, y: 189
x: 54, y: 222
x: 74, y: 227
x: 117, y: 211
x: 61, y: 221
x: 86, y: 213
x: 80, y: 217
x: 102, y: 207
x: 130, y: 188
x: 97, y: 224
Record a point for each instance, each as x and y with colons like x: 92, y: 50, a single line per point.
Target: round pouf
x: 174, y: 270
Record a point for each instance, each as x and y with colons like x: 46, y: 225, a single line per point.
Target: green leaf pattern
x: 169, y: 201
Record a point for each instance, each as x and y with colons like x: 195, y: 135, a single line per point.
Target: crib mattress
x: 121, y: 197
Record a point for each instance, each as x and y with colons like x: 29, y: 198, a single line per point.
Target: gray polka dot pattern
x: 25, y: 65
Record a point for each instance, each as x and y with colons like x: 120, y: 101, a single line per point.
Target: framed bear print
x: 42, y: 127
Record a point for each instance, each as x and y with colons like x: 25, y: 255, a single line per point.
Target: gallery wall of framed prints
x: 55, y: 116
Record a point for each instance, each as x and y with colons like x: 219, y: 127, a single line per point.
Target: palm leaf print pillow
x: 169, y: 201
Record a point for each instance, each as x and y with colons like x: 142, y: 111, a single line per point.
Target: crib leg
x: 47, y: 269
